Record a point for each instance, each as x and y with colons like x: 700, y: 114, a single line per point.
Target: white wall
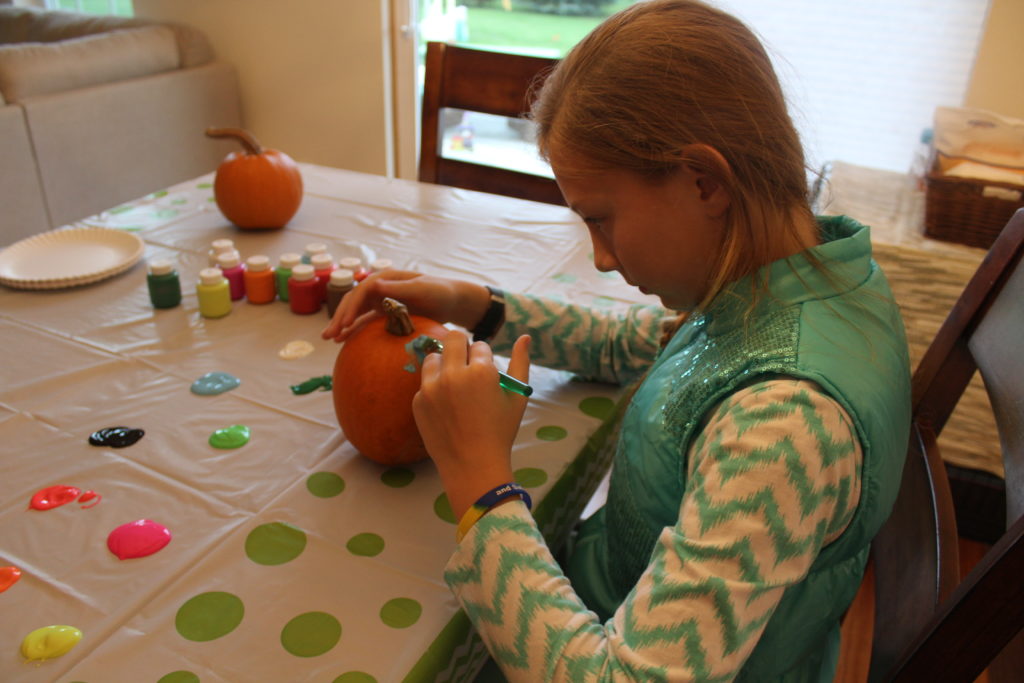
x: 312, y: 72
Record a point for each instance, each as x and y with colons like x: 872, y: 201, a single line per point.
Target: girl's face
x: 663, y: 236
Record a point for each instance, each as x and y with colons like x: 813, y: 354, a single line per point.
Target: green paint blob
x: 179, y: 677
x: 209, y: 616
x: 551, y: 433
x: 400, y: 612
x: 530, y: 477
x: 567, y: 278
x: 311, y: 634
x: 443, y: 509
x: 600, y: 407
x: 275, y: 543
x: 204, y: 186
x: 397, y: 477
x: 325, y: 484
x: 166, y: 213
x: 355, y: 677
x: 367, y: 545
x: 234, y: 436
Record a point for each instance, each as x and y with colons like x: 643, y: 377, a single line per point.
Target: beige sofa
x: 95, y: 111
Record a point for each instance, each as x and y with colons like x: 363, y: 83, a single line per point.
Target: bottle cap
x: 380, y: 264
x: 211, y: 276
x: 303, y: 271
x: 315, y: 248
x: 321, y: 261
x: 350, y: 263
x: 257, y: 263
x: 222, y: 245
x: 290, y: 260
x: 161, y: 266
x: 342, y: 277
x: 228, y: 259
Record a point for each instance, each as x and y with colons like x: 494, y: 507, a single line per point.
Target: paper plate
x: 68, y: 258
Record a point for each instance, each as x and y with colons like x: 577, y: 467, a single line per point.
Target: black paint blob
x: 115, y: 437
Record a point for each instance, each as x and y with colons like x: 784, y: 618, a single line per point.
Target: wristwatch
x: 493, y: 317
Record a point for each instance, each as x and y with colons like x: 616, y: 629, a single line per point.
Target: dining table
x: 172, y: 556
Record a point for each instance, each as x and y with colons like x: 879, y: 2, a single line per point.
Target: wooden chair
x: 487, y: 82
x: 929, y: 627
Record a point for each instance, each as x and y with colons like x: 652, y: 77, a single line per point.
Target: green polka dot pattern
x: 552, y: 433
x: 530, y: 477
x: 355, y: 677
x: 209, y: 616
x: 311, y: 634
x: 600, y: 407
x: 179, y: 677
x: 325, y: 484
x: 443, y: 509
x: 397, y: 477
x: 400, y: 612
x: 366, y: 545
x: 275, y: 543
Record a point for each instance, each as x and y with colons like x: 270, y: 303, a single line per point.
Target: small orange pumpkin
x: 375, y: 379
x: 256, y: 188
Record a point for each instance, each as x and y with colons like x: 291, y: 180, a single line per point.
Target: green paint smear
x: 604, y: 301
x: 365, y: 545
x: 567, y: 278
x: 355, y: 677
x: 530, y: 477
x: 443, y: 509
x: 204, y: 186
x: 234, y: 436
x: 397, y: 477
x: 552, y: 433
x: 209, y: 616
x: 158, y: 195
x: 275, y: 543
x: 311, y: 634
x: 120, y: 209
x: 400, y: 612
x: 312, y: 384
x: 166, y: 213
x: 179, y: 677
x: 325, y: 484
x: 600, y: 407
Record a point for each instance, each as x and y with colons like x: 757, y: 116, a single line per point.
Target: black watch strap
x: 493, y: 318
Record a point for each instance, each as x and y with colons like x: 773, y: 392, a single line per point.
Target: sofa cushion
x: 29, y: 69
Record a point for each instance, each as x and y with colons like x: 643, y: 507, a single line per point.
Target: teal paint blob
x: 234, y: 436
x: 213, y: 383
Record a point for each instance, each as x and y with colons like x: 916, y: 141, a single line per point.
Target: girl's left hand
x: 467, y: 421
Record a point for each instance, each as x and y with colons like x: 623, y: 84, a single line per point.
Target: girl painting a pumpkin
x: 762, y: 445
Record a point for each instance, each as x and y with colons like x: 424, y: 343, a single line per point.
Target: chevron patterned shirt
x: 773, y: 477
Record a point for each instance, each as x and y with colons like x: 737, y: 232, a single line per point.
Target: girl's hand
x: 467, y: 421
x: 440, y: 299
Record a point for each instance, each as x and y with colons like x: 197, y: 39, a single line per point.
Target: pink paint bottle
x: 234, y: 271
x: 323, y: 265
x: 303, y: 290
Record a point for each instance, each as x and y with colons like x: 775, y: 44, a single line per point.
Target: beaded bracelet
x: 485, y: 503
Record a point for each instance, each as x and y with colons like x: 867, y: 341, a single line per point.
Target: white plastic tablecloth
x: 292, y: 558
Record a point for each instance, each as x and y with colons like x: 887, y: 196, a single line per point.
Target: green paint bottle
x: 164, y: 285
x: 283, y: 272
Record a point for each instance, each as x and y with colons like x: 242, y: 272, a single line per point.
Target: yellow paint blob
x: 49, y: 642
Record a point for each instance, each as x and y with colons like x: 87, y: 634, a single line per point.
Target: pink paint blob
x: 138, y: 539
x: 87, y: 496
x: 8, y: 577
x: 54, y: 496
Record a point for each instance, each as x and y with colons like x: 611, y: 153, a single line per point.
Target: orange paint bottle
x: 260, y: 286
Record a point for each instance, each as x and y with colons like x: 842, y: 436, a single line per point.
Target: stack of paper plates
x: 68, y: 258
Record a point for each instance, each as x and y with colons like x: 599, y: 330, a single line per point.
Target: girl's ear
x: 710, y: 167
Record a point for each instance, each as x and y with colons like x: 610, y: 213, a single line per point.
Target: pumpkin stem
x: 251, y: 144
x: 398, y: 322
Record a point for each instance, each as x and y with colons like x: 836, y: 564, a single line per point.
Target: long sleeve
x: 598, y: 345
x: 773, y: 477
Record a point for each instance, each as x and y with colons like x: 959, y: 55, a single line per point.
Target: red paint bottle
x: 303, y: 290
x: 323, y: 265
x: 234, y: 271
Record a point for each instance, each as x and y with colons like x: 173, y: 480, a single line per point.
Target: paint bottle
x: 355, y: 264
x: 218, y: 247
x: 380, y: 264
x: 284, y: 271
x: 259, y: 280
x: 303, y: 292
x: 311, y: 249
x: 234, y: 271
x: 323, y: 265
x: 163, y: 283
x: 340, y: 284
x: 214, y: 293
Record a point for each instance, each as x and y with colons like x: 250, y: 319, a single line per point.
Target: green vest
x: 840, y: 329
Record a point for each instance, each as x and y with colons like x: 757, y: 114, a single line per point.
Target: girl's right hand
x: 441, y: 299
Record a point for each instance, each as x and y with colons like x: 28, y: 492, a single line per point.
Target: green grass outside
x: 548, y: 35
x: 122, y: 7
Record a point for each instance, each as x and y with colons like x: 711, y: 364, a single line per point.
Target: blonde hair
x: 658, y: 81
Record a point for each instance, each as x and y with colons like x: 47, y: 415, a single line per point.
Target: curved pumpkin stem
x: 251, y: 144
x: 398, y: 322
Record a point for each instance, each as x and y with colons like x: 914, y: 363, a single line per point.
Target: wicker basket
x: 956, y: 209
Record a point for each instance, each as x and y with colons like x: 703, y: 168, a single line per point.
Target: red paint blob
x: 53, y: 496
x: 138, y: 539
x: 8, y: 577
x: 87, y: 496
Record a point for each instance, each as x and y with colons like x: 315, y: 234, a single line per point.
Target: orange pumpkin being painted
x: 257, y: 187
x: 375, y: 379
